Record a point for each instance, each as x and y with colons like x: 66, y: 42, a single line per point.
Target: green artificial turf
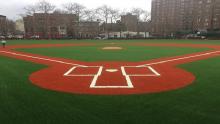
x: 17, y: 42
x: 22, y: 102
x: 128, y: 53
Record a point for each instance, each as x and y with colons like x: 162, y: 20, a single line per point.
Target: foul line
x: 67, y: 63
x: 33, y: 57
x: 171, y: 60
x: 154, y: 72
x: 99, y: 73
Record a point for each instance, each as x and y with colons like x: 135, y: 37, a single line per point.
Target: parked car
x: 98, y: 38
x: 105, y: 38
x: 19, y: 36
x: 10, y: 36
x: 2, y: 37
x: 35, y: 37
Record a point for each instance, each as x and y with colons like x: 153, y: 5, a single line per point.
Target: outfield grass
x: 15, y: 42
x: 129, y: 53
x: 23, y: 103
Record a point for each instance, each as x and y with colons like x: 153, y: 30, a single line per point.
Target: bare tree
x: 114, y: 15
x: 90, y: 15
x: 30, y: 9
x: 78, y: 10
x: 146, y: 16
x: 45, y: 7
x: 41, y: 6
x: 104, y: 12
x: 124, y: 12
x: 213, y: 6
x: 60, y: 11
x: 75, y: 8
x: 138, y: 12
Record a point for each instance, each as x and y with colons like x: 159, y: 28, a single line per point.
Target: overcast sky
x: 12, y: 8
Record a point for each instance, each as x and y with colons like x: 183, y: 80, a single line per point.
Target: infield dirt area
x: 111, y: 78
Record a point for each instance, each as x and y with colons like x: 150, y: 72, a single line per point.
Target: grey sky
x: 12, y: 8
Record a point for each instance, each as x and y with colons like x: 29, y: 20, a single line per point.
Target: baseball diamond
x: 109, y: 61
x: 108, y: 78
x: 66, y: 81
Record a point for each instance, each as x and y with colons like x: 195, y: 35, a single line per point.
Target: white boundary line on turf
x: 67, y: 74
x: 33, y: 57
x: 154, y: 72
x: 69, y: 71
x: 127, y: 77
x: 171, y: 60
x: 94, y: 81
x: 96, y: 76
x: 93, y: 84
x: 99, y: 73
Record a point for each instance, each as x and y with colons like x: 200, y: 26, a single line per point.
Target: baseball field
x: 110, y: 82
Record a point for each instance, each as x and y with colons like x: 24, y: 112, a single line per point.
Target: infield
x: 197, y: 102
x: 130, y: 77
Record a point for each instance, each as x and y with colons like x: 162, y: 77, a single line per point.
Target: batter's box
x: 83, y: 71
x: 140, y: 71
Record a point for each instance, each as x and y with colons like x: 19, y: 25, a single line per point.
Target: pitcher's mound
x: 112, y: 48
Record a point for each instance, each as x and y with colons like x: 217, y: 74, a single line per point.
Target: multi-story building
x: 2, y: 25
x: 171, y: 16
x: 86, y: 29
x: 206, y: 14
x: 130, y: 21
x: 7, y: 27
x: 53, y: 25
x: 167, y: 16
x: 10, y: 27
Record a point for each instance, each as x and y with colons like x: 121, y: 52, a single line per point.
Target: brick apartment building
x: 112, y: 27
x: 130, y: 21
x: 86, y: 29
x: 128, y: 27
x: 7, y: 27
x: 206, y: 14
x: 2, y: 25
x: 171, y: 16
x: 53, y: 25
x: 57, y: 25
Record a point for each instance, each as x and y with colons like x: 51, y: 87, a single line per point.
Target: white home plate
x: 111, y: 70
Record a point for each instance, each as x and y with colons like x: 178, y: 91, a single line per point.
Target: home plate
x: 111, y: 70
x: 110, y: 78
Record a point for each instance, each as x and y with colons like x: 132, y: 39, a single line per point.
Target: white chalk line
x: 74, y: 67
x: 127, y: 77
x: 154, y: 72
x: 34, y: 57
x: 154, y: 63
x: 95, y: 78
x: 99, y: 73
x: 171, y: 60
